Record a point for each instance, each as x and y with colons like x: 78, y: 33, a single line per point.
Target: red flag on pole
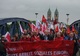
x: 73, y: 29
x: 56, y: 29
x: 33, y: 27
x: 55, y: 22
x: 68, y: 30
x: 7, y: 37
x: 43, y: 27
x: 43, y: 19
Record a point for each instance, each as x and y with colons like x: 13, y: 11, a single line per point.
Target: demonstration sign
x: 41, y: 48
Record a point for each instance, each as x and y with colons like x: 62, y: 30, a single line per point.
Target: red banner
x: 41, y: 48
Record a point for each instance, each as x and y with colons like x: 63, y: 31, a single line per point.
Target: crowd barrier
x: 40, y: 48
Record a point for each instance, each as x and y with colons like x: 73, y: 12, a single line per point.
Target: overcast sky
x: 28, y: 8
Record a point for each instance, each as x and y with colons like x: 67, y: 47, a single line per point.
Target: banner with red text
x: 41, y: 48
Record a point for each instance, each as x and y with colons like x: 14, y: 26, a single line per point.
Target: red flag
x: 43, y: 19
x: 68, y: 30
x: 56, y: 29
x: 55, y: 22
x: 46, y: 24
x: 73, y: 29
x: 33, y: 27
x: 36, y: 29
x: 43, y: 27
x: 21, y: 28
x: 7, y: 37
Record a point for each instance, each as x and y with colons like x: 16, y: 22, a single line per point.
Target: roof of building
x: 56, y: 11
x: 49, y: 11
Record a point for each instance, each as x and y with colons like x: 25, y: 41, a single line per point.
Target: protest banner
x: 40, y: 48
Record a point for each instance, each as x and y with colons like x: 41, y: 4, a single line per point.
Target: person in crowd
x: 65, y: 34
x: 51, y: 35
x: 25, y: 36
x: 25, y: 32
x: 76, y: 35
x: 41, y: 34
x: 15, y: 37
x: 29, y: 31
x: 35, y: 36
x: 28, y: 38
x: 71, y: 36
x: 2, y: 47
x: 3, y: 39
x: 59, y: 36
x: 46, y: 35
x: 77, y: 38
x: 76, y: 48
x: 74, y: 38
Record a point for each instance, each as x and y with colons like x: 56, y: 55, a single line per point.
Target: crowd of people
x: 49, y: 35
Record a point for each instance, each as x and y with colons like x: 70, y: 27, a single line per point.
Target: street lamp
x: 67, y: 18
x: 36, y: 14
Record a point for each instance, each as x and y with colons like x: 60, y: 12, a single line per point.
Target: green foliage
x: 33, y: 22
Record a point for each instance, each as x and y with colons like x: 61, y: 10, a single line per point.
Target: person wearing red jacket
x: 25, y: 36
x: 35, y: 36
x: 59, y: 37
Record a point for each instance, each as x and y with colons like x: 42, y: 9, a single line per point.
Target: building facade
x: 49, y: 14
x: 56, y: 15
x: 50, y: 19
